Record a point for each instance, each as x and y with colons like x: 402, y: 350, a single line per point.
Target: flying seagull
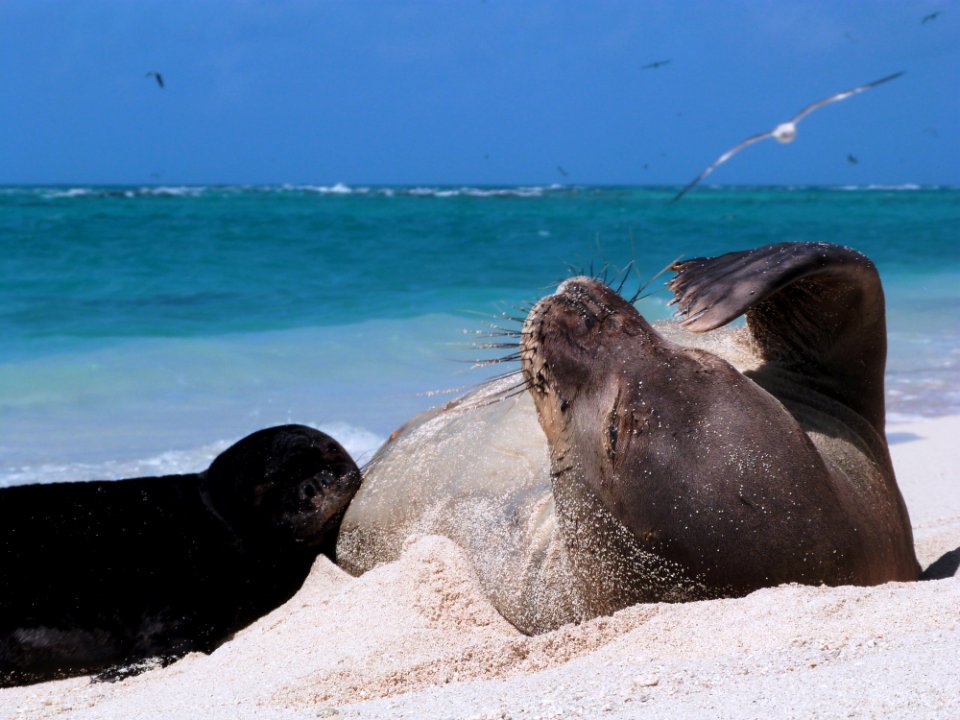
x: 784, y: 132
x: 156, y: 75
x: 852, y: 159
x: 654, y: 65
x: 931, y: 16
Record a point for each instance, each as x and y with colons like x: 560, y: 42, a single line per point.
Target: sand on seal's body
x: 417, y: 638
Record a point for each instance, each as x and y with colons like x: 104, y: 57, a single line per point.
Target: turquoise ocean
x: 142, y: 329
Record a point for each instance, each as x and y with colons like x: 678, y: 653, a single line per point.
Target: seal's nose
x: 573, y: 285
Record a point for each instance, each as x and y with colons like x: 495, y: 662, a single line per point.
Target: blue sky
x: 474, y: 91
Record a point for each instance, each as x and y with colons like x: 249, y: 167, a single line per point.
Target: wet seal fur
x: 670, y: 466
x: 119, y: 575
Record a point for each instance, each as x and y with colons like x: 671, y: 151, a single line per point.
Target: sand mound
x: 417, y: 638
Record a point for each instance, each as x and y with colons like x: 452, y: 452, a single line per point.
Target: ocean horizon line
x: 546, y: 185
x: 662, y: 194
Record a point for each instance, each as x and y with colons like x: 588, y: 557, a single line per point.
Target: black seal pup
x: 668, y: 463
x: 102, y: 576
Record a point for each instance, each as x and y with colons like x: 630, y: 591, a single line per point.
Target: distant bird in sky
x: 852, y: 159
x: 931, y: 16
x: 784, y: 132
x: 157, y: 76
x: 654, y: 65
x: 562, y: 171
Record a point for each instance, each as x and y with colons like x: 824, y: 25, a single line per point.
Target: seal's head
x: 629, y: 415
x: 290, y: 484
x: 579, y: 351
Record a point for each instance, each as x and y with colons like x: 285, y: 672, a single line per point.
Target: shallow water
x: 145, y: 328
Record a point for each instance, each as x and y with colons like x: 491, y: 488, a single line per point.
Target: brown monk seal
x: 641, y: 463
x: 100, y: 576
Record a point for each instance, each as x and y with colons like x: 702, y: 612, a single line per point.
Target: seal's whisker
x: 501, y: 376
x: 363, y: 458
x: 515, y: 393
x: 494, y: 331
x: 647, y: 284
x: 626, y: 274
x: 466, y: 407
x: 512, y: 336
x: 505, y: 394
x: 495, y: 316
x: 649, y: 294
x: 486, y: 346
x: 606, y: 263
x: 488, y: 363
x: 522, y: 385
x: 501, y: 332
x: 471, y: 386
x: 524, y: 307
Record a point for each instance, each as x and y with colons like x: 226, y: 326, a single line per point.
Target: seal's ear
x: 240, y: 479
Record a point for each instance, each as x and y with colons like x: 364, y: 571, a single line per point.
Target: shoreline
x: 925, y: 461
x: 417, y: 639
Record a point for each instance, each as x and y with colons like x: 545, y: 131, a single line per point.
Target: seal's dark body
x: 99, y: 574
x: 676, y: 462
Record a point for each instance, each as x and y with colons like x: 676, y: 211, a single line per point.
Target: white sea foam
x: 888, y: 188
x: 478, y: 192
x: 359, y: 442
x: 174, y: 191
x: 72, y: 192
x: 172, y: 462
x: 419, y: 191
x: 505, y: 192
x: 160, y: 191
x: 335, y: 189
x: 338, y: 188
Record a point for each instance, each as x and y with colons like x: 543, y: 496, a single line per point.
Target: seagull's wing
x: 721, y: 160
x: 841, y: 96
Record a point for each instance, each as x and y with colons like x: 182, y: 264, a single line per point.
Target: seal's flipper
x: 812, y: 308
x: 711, y: 292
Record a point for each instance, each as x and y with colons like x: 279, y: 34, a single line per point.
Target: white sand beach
x: 417, y: 639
